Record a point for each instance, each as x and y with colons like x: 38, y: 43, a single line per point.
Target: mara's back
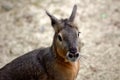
x: 27, y: 67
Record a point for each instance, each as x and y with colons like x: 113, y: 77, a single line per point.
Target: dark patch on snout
x: 73, y: 50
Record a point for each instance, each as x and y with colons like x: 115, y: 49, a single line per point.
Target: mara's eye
x: 60, y: 38
x: 79, y: 33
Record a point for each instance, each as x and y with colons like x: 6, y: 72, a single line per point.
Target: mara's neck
x: 55, y: 52
x: 58, y: 69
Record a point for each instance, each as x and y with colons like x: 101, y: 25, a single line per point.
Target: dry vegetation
x: 24, y: 26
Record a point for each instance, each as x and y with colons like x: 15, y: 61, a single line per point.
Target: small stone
x: 104, y: 15
x: 7, y: 6
x: 42, y: 29
x: 119, y: 45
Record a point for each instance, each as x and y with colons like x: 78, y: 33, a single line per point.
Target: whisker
x: 85, y: 62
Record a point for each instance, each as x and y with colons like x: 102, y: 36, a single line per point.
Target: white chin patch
x: 71, y: 57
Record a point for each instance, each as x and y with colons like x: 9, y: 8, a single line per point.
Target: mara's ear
x: 54, y: 21
x: 72, y: 17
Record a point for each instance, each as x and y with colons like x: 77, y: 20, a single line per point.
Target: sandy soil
x: 24, y: 26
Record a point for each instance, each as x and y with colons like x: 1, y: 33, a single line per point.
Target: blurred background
x: 24, y: 26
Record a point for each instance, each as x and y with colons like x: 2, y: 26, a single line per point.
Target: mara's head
x: 66, y: 37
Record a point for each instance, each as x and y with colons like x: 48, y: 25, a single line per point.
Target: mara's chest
x: 63, y: 71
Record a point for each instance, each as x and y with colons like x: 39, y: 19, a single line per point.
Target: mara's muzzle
x: 72, y: 55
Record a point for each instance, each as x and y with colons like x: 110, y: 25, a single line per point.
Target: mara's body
x: 58, y: 62
x: 39, y: 64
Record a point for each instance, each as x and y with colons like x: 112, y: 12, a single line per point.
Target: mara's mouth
x: 72, y: 56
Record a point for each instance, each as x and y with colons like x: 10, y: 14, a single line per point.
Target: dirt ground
x: 24, y: 26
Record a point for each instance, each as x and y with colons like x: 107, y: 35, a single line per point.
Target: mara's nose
x: 73, y: 50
